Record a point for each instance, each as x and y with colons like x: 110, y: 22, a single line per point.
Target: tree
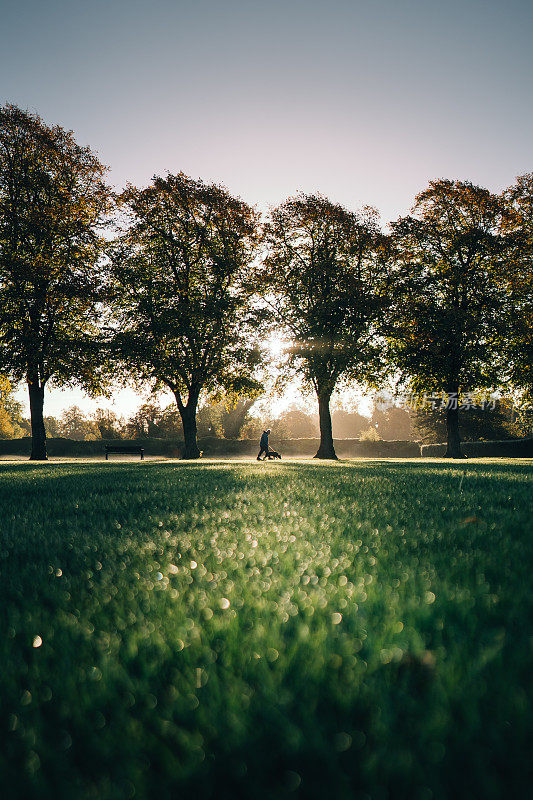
x: 208, y: 420
x: 392, y: 423
x: 326, y: 270
x: 10, y: 412
x: 234, y: 414
x: 52, y: 203
x: 517, y: 348
x: 146, y: 421
x: 348, y: 424
x: 299, y: 424
x: 475, y: 423
x: 170, y: 424
x: 183, y: 279
x: 109, y: 424
x: 451, y: 303
x: 53, y: 427
x: 75, y: 425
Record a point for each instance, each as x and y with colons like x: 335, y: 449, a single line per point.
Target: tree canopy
x: 183, y: 278
x: 326, y: 274
x: 53, y: 202
x: 452, y: 304
x: 183, y: 293
x: 517, y: 349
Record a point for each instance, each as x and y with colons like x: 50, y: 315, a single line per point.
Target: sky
x: 362, y: 100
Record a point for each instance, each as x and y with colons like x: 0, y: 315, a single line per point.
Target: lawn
x: 239, y: 630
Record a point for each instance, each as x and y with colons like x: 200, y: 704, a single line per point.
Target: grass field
x: 242, y: 630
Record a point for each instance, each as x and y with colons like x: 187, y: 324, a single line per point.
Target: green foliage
x: 52, y: 204
x: 109, y: 424
x: 326, y: 269
x: 220, y: 630
x: 181, y: 274
x: 11, y: 421
x: 300, y: 425
x: 517, y: 345
x: 348, y: 424
x: 75, y: 425
x: 501, y: 423
x: 153, y: 421
x: 52, y: 426
x: 392, y: 423
x: 452, y: 303
x: 234, y: 414
x: 370, y: 434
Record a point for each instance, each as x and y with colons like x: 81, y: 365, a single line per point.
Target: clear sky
x: 363, y: 100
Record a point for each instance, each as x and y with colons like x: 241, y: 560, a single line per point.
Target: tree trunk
x: 38, y: 434
x: 326, y: 449
x: 453, y: 449
x: 188, y: 418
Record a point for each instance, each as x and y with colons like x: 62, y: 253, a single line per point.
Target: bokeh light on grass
x: 242, y: 630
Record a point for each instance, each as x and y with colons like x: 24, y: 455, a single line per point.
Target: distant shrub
x: 370, y: 435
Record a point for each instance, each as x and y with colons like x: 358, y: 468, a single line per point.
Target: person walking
x: 263, y: 445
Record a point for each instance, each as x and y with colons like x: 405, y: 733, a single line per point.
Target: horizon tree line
x: 192, y: 279
x: 236, y: 418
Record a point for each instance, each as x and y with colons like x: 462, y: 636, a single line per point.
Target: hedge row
x: 514, y: 448
x: 211, y: 446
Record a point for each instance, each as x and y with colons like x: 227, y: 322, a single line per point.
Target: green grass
x: 227, y: 629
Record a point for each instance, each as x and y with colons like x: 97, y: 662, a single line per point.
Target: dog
x: 273, y: 454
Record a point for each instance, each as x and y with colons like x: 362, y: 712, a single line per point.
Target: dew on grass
x: 25, y: 699
x: 336, y: 618
x: 292, y: 780
x: 342, y: 742
x: 358, y: 739
x: 37, y: 641
x: 33, y: 762
x: 65, y: 741
x: 224, y: 603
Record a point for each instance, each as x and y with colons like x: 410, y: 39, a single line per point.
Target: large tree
x: 183, y: 279
x: 518, y: 346
x: 453, y: 308
x: 326, y: 278
x: 52, y: 203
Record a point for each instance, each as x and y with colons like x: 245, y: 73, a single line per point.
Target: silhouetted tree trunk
x: 326, y: 449
x: 188, y: 418
x: 38, y: 434
x: 453, y: 444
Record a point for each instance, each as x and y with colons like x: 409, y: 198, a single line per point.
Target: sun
x: 276, y: 345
